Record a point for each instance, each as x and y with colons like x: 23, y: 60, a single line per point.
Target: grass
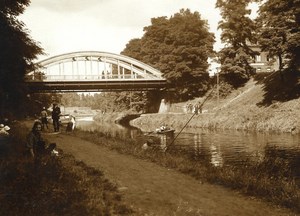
x: 270, y: 179
x: 264, y: 104
x: 56, y: 186
x: 64, y: 186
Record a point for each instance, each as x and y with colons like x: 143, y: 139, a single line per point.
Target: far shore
x: 241, y: 110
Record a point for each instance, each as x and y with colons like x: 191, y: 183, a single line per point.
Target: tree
x: 70, y: 99
x: 238, y: 32
x: 279, y: 35
x: 35, y: 102
x: 179, y: 47
x: 133, y: 49
x: 17, y: 50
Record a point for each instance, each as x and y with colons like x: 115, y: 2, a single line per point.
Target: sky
x: 63, y: 26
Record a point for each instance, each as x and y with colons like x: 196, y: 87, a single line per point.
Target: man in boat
x: 147, y: 144
x: 164, y: 127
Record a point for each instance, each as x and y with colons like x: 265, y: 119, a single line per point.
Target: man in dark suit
x: 55, y: 117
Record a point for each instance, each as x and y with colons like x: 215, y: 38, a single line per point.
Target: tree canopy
x: 179, y: 47
x: 279, y: 31
x: 238, y: 32
x: 17, y: 50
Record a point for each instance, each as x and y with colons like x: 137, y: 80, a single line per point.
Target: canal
x: 220, y: 148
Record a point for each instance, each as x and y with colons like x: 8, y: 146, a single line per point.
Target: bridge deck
x: 95, y: 86
x: 93, y: 71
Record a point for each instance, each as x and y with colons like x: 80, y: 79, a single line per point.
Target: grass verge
x: 270, y: 179
x: 56, y: 186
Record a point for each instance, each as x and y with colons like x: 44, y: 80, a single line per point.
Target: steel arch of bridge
x: 93, y: 71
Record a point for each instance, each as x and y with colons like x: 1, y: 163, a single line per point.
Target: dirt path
x: 156, y: 190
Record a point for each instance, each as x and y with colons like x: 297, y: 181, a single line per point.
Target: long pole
x: 218, y: 87
x: 166, y: 148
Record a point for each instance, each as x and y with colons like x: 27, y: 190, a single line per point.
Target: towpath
x: 154, y: 190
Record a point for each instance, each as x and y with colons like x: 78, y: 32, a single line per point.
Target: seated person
x: 164, y: 127
x: 4, y: 130
x: 148, y: 144
x: 36, y: 144
x: 71, y: 124
x: 4, y: 139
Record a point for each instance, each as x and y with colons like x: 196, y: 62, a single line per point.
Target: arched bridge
x: 93, y: 71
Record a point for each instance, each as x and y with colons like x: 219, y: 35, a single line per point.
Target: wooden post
x: 218, y: 87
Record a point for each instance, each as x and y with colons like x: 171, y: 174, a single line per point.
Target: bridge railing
x: 63, y: 78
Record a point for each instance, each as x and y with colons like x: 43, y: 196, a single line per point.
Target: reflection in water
x: 163, y: 141
x: 111, y: 130
x: 197, y: 143
x: 290, y: 158
x: 232, y: 147
x: 216, y: 155
x: 219, y: 148
x: 214, y: 150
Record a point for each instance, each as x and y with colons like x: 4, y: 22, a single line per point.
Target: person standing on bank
x: 44, y: 119
x: 55, y: 117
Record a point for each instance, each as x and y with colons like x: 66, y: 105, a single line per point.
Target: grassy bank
x: 270, y: 179
x: 265, y: 104
x: 64, y: 186
x: 56, y: 186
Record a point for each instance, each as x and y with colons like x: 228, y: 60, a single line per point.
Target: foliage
x: 269, y: 179
x: 17, y: 52
x: 238, y: 30
x: 136, y: 101
x: 55, y: 186
x: 276, y: 91
x: 179, y: 47
x: 35, y: 102
x: 279, y: 35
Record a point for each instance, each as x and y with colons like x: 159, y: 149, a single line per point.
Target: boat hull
x: 165, y: 131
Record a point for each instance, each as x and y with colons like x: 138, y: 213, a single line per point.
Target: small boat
x: 164, y: 130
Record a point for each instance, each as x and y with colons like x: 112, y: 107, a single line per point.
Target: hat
x: 6, y: 128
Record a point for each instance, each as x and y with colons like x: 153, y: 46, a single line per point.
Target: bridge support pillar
x: 164, y: 106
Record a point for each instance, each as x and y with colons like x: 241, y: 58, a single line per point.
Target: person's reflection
x: 216, y: 155
x: 197, y: 143
x: 163, y: 141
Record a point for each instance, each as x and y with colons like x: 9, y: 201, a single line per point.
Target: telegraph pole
x: 218, y: 95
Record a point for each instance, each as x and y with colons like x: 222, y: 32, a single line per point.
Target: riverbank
x: 249, y: 108
x: 159, y: 190
x: 57, y: 185
x: 148, y: 188
x: 94, y: 173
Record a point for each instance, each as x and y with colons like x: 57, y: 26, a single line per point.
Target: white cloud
x: 104, y: 25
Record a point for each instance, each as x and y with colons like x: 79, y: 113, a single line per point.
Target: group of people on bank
x: 55, y: 118
x: 55, y: 115
x: 196, y: 108
x: 38, y: 147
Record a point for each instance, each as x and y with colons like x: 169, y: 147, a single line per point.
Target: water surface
x: 220, y: 148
